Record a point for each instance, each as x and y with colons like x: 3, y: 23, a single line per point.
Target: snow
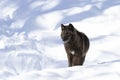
x: 75, y: 73
x: 31, y: 47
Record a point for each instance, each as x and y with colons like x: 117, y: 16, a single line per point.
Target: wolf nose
x: 64, y: 38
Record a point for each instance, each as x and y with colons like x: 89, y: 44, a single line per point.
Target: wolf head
x: 68, y: 32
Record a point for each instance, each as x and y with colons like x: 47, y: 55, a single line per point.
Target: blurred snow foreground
x: 31, y: 47
x: 94, y: 72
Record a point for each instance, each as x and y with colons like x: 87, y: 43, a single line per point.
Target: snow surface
x: 31, y: 47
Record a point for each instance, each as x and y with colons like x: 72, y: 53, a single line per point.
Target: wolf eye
x: 71, y: 29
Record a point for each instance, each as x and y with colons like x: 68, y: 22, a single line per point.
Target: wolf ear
x: 71, y: 27
x: 62, y: 26
x: 70, y: 24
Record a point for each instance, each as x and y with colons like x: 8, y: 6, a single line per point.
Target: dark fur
x: 76, y: 42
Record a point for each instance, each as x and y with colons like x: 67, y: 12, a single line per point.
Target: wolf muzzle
x: 66, y: 39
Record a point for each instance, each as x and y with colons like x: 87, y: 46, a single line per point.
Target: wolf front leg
x: 70, y: 58
x: 77, y: 58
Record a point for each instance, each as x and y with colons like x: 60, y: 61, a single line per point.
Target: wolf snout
x: 64, y: 38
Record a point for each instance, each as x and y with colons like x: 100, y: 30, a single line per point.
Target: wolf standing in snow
x: 76, y: 44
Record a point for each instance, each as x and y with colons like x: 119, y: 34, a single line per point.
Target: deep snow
x: 31, y: 47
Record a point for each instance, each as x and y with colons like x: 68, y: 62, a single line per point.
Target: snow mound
x: 104, y: 71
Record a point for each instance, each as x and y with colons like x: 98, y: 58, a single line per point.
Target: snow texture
x: 31, y: 47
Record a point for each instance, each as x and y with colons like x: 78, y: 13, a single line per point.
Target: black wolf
x: 76, y: 44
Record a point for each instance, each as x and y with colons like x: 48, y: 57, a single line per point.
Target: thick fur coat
x: 76, y: 44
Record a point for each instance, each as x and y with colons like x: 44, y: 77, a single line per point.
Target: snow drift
x: 31, y: 47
